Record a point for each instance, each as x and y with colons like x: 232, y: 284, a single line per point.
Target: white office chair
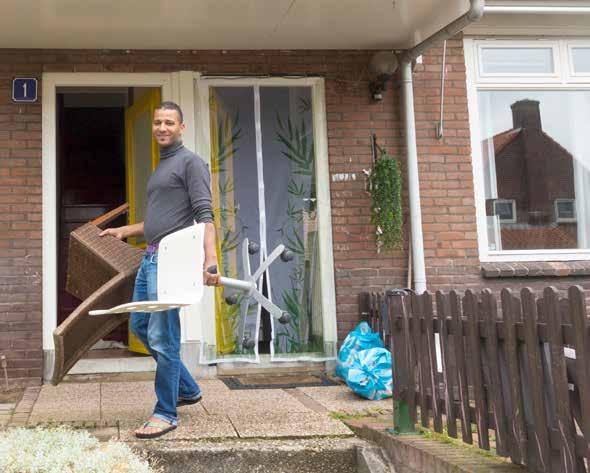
x: 180, y: 278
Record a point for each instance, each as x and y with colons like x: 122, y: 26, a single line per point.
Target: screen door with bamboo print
x: 263, y: 172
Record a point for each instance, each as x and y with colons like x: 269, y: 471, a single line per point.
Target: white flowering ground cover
x: 63, y: 450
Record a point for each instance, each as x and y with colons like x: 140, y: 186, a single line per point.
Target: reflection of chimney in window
x: 526, y: 114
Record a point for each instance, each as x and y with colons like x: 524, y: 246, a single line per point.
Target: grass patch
x: 340, y: 415
x: 445, y: 438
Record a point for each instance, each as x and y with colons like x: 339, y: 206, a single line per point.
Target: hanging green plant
x: 385, y: 186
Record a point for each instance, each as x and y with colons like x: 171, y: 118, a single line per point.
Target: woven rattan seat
x: 101, y: 272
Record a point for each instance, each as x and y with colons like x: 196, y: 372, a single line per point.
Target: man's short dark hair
x: 171, y: 106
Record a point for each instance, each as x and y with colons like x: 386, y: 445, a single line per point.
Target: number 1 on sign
x: 24, y: 89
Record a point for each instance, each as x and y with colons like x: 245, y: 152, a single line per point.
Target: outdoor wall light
x: 381, y: 68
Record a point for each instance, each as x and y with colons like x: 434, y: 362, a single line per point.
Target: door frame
x: 50, y: 82
x: 324, y: 207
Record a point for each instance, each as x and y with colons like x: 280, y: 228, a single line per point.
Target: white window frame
x: 574, y: 76
x: 559, y: 219
x: 512, y: 78
x: 477, y: 83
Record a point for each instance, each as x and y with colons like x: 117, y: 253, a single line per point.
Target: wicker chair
x: 101, y: 272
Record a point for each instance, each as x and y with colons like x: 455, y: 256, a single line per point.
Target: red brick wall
x: 445, y: 167
x: 20, y: 233
x: 448, y: 206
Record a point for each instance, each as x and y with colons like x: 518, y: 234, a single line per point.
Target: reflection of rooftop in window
x: 526, y: 116
x: 532, y: 168
x: 501, y: 140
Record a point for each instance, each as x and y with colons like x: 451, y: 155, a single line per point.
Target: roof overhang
x: 224, y: 24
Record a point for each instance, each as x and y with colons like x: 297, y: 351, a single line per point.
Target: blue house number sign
x: 24, y: 89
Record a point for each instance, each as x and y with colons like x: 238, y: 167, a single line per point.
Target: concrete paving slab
x: 343, y: 399
x: 67, y: 403
x: 291, y: 424
x: 128, y: 392
x: 105, y: 434
x: 132, y: 403
x: 255, y: 402
x: 134, y: 419
x: 212, y: 386
x: 193, y: 424
x: 223, y: 413
x: 120, y: 401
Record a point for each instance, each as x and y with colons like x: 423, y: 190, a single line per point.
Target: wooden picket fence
x: 504, y: 369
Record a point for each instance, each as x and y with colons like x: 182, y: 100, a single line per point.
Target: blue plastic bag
x: 361, y: 338
x: 370, y: 375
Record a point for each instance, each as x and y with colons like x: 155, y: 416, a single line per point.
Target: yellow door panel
x: 141, y: 159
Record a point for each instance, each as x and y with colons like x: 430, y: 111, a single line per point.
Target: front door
x: 90, y: 150
x: 263, y: 166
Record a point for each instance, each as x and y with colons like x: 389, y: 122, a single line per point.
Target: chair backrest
x: 181, y: 257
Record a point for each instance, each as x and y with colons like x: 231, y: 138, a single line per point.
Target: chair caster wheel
x: 287, y: 255
x: 232, y: 299
x: 285, y: 318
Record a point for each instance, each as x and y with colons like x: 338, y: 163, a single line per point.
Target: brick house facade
x: 446, y: 179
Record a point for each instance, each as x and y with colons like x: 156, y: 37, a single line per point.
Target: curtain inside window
x: 264, y: 189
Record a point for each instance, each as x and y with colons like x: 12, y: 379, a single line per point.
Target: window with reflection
x: 536, y: 162
x: 536, y: 165
x: 534, y: 136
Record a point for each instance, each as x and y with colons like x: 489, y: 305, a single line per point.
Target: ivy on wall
x: 385, y: 186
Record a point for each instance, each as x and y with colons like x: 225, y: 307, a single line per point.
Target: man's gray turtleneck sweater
x: 178, y: 193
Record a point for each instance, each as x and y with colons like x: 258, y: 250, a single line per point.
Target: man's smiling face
x: 167, y: 127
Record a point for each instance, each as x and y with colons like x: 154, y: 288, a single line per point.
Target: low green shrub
x: 63, y: 450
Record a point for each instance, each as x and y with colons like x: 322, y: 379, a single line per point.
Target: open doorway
x: 94, y: 166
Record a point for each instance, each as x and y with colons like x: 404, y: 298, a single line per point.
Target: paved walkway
x: 115, y: 409
x: 315, y: 415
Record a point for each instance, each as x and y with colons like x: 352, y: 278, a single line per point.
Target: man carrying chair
x: 178, y: 194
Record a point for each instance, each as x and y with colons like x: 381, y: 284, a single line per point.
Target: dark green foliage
x: 385, y: 184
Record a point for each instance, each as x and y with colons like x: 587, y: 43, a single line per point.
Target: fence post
x: 403, y: 383
x: 402, y: 421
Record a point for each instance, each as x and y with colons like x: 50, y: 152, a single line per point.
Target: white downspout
x: 474, y: 14
x: 417, y: 246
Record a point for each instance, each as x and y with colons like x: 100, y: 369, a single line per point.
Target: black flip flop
x: 186, y: 402
x: 158, y: 425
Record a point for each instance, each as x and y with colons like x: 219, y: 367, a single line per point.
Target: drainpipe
x: 417, y: 244
x: 474, y: 14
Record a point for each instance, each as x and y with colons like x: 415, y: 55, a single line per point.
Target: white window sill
x: 535, y: 255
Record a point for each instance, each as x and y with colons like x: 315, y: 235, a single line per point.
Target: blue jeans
x: 160, y: 333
